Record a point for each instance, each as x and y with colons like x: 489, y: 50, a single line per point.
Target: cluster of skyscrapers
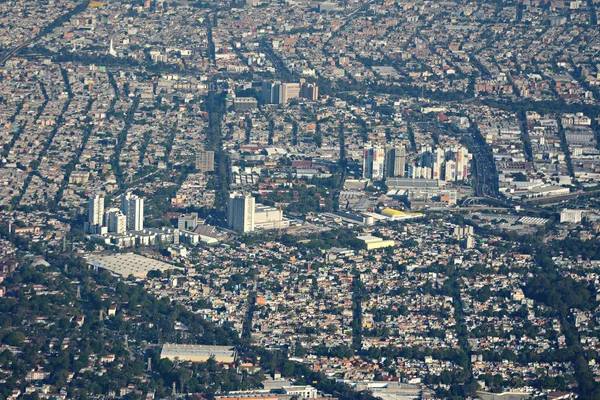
x: 379, y: 163
x: 446, y: 164
x: 281, y: 93
x: 130, y: 217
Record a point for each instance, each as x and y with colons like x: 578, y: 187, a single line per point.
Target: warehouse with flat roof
x: 198, y: 353
x: 128, y: 264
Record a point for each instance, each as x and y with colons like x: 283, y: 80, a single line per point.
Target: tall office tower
x: 462, y: 163
x: 132, y: 207
x: 271, y: 92
x: 240, y: 212
x: 426, y: 157
x: 395, y: 161
x: 95, y: 214
x: 266, y: 92
x: 282, y: 97
x: 309, y: 91
x: 116, y: 221
x: 205, y: 161
x: 437, y: 163
x: 373, y: 162
x: 450, y: 175
x: 96, y: 210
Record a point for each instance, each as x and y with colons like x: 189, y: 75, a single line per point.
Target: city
x: 255, y: 199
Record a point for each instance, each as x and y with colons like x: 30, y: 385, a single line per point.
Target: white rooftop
x: 128, y: 264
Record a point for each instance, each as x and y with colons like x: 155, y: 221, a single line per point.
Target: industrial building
x: 374, y: 242
x: 396, y: 215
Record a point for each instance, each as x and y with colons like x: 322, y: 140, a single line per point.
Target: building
x: 570, y: 216
x: 128, y: 264
x: 187, y: 222
x: 395, y: 215
x: 395, y: 162
x: 116, y: 221
x: 281, y: 93
x: 469, y: 242
x: 266, y: 217
x: 240, y: 212
x: 374, y: 242
x: 450, y: 175
x: 328, y: 7
x: 270, y: 92
x: 437, y: 163
x: 462, y: 164
x: 198, y: 353
x: 373, y: 163
x: 132, y: 207
x: 303, y: 392
x: 245, y: 103
x: 309, y: 91
x: 462, y: 231
x: 96, y: 210
x: 290, y: 91
x: 95, y: 215
x: 205, y: 161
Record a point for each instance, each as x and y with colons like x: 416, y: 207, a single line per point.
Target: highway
x: 11, y: 53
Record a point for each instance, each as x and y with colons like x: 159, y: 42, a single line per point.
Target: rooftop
x: 128, y: 264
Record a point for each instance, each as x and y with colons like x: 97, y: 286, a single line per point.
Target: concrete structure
x: 270, y: 92
x: 198, y: 353
x: 116, y: 221
x: 373, y: 162
x: 96, y: 210
x: 132, y: 207
x: 205, y: 161
x: 570, y: 216
x: 240, y: 212
x: 128, y: 264
x: 95, y: 215
x: 187, y: 222
x: 395, y: 215
x: 266, y: 217
x: 462, y: 231
x: 309, y: 91
x: 374, y: 242
x: 395, y: 162
x: 303, y: 392
x: 245, y: 103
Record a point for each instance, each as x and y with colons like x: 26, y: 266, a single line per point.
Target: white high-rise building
x: 132, y: 207
x: 95, y: 215
x: 96, y: 210
x: 240, y: 212
x: 116, y: 221
x: 450, y: 175
x: 373, y: 163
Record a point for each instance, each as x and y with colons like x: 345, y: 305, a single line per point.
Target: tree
x: 14, y: 338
